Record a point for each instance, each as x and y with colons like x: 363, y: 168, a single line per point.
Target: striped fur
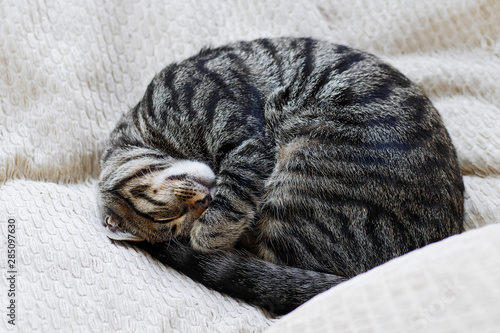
x: 318, y: 158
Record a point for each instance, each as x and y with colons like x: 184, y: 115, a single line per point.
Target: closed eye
x: 166, y: 220
x: 171, y: 219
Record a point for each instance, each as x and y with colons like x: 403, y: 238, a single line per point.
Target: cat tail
x: 276, y: 288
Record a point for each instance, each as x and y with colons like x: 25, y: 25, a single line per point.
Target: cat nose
x: 201, y: 205
x: 204, y: 203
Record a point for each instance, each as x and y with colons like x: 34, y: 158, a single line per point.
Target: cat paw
x: 207, y: 237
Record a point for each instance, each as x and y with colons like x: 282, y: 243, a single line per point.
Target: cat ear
x: 113, y: 231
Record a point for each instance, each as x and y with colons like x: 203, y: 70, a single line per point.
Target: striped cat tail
x: 276, y: 288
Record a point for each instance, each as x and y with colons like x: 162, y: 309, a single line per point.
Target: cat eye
x: 171, y: 219
x: 166, y: 220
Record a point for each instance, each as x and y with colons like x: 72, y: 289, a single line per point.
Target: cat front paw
x: 207, y: 236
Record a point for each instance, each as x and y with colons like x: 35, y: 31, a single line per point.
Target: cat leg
x: 239, y: 185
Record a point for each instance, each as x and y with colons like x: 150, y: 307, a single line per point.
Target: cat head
x: 153, y: 198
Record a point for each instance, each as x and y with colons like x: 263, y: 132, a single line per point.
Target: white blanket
x: 68, y: 70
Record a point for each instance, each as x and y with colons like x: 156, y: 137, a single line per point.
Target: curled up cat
x: 274, y: 169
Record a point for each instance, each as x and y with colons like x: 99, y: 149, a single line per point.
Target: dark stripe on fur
x: 138, y: 192
x: 347, y: 61
x: 131, y: 206
x: 140, y: 173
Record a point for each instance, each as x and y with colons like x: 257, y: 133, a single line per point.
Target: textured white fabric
x: 451, y: 286
x: 68, y: 70
x: 71, y: 277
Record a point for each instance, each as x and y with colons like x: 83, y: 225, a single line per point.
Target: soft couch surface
x: 68, y: 70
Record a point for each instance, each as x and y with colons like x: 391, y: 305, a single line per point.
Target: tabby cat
x: 274, y: 169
